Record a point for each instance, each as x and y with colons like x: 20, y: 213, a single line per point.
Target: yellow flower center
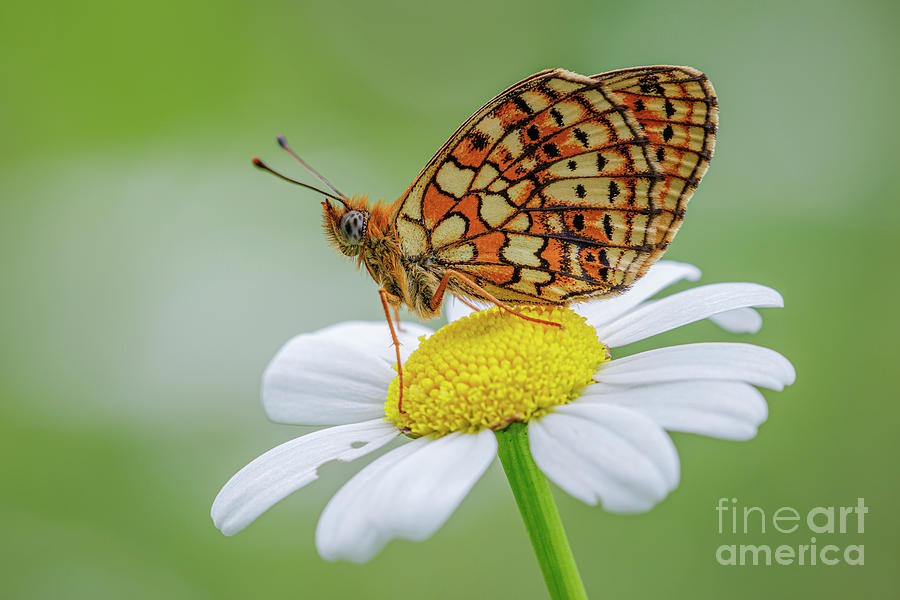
x: 492, y: 368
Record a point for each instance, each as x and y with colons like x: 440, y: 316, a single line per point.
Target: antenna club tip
x: 258, y: 163
x: 282, y: 141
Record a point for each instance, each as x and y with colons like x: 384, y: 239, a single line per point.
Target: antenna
x: 263, y: 166
x: 283, y: 143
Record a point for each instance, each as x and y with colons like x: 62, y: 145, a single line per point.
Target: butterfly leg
x: 387, y: 313
x: 442, y: 287
x: 467, y: 303
x: 397, y: 318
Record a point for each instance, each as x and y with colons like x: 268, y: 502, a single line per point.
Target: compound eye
x: 353, y: 226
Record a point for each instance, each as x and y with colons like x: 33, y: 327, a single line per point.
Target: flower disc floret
x: 492, y: 368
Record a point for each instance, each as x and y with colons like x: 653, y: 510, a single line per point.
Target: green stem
x: 532, y: 492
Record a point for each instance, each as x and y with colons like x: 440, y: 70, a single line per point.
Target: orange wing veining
x: 557, y: 190
x: 677, y: 108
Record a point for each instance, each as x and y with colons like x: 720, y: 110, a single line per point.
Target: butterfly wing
x: 676, y: 106
x: 564, y: 187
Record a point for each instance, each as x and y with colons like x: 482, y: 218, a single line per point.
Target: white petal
x: 408, y: 493
x: 685, y: 307
x: 660, y: 276
x: 724, y: 409
x: 455, y: 309
x: 739, y: 320
x: 375, y: 337
x: 290, y: 466
x: 740, y: 362
x: 337, y: 375
x: 600, y: 452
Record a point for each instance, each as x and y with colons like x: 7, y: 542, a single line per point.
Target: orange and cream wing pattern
x: 676, y: 106
x: 564, y: 186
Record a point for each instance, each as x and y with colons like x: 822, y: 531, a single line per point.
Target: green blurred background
x: 149, y: 274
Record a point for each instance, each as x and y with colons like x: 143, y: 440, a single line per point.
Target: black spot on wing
x: 551, y: 150
x: 667, y: 133
x: 670, y: 109
x: 580, y: 191
x: 533, y: 132
x: 478, y: 140
x: 581, y: 136
x: 522, y: 105
x: 601, y: 255
x: 572, y: 165
x: 649, y: 84
x: 607, y: 226
x: 613, y: 190
x: 578, y: 222
x: 557, y: 116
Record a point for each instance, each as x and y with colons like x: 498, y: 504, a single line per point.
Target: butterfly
x: 563, y: 187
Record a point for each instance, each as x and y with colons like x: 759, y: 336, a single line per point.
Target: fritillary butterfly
x: 563, y: 187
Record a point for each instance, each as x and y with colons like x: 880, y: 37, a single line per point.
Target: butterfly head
x: 346, y: 226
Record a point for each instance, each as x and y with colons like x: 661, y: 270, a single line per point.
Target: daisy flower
x: 560, y: 404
